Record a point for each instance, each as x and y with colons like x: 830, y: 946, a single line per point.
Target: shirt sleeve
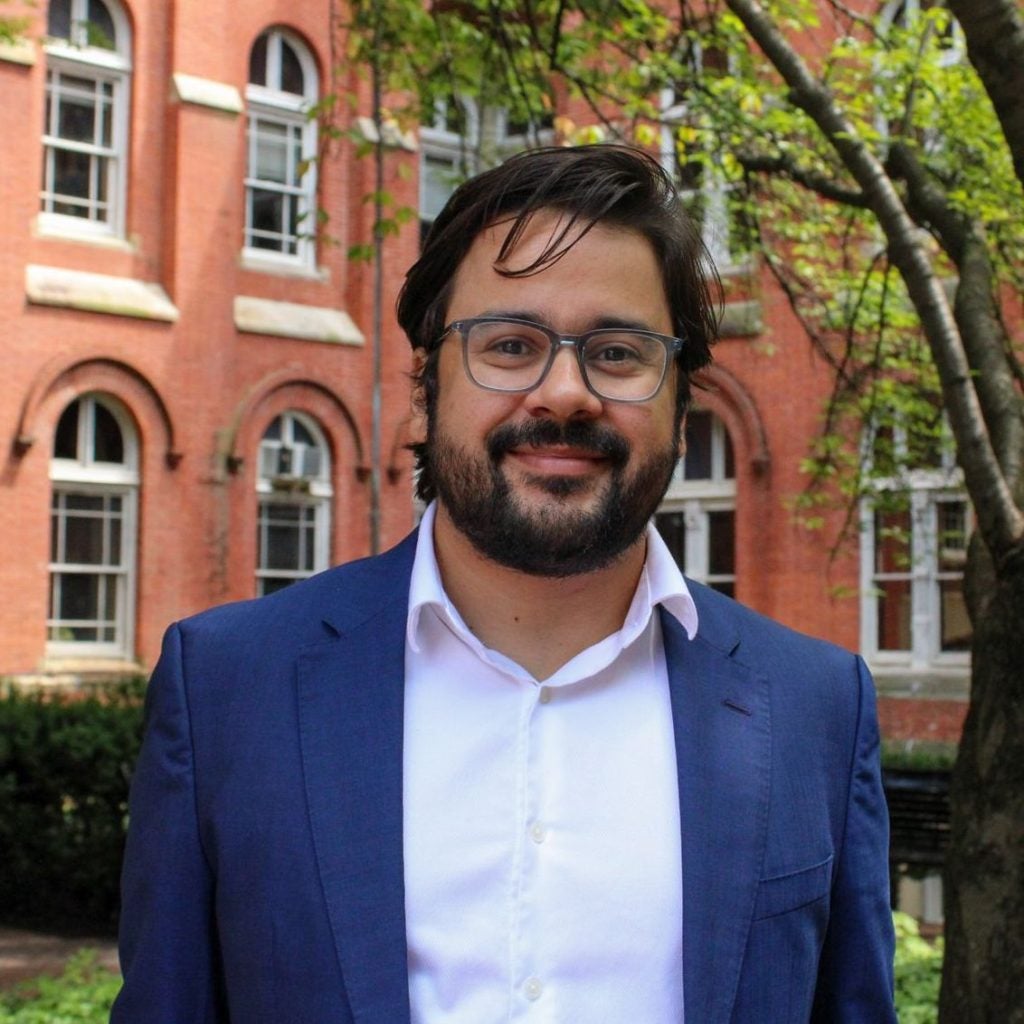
x: 855, y: 979
x: 168, y: 941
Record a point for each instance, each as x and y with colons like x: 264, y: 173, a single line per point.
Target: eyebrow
x: 601, y: 323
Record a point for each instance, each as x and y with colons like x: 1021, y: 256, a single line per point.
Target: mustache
x: 572, y: 434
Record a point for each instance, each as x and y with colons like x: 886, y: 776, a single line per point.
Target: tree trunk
x: 983, y: 972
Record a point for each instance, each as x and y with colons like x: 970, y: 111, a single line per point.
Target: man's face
x: 554, y: 481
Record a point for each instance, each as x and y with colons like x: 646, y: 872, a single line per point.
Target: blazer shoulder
x: 331, y: 602
x: 761, y: 642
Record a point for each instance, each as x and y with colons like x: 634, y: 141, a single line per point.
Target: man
x: 517, y: 768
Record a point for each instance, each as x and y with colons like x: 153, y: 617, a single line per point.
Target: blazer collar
x: 723, y: 751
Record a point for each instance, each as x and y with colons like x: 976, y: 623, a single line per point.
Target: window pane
x: 65, y: 442
x: 258, y: 61
x: 101, y: 31
x: 951, y: 550
x: 58, y: 19
x: 83, y: 541
x: 79, y: 598
x: 672, y: 527
x: 697, y: 461
x: 83, y: 502
x: 273, y: 432
x: 108, y: 445
x: 730, y: 458
x: 271, y: 152
x: 281, y: 529
x: 267, y: 212
x: 292, y: 78
x: 71, y: 180
x: 722, y: 543
x: 727, y: 588
x: 114, y: 554
x: 76, y: 119
x: 301, y: 434
x: 893, y: 615
x: 271, y: 586
x: 892, y: 542
x: 956, y: 626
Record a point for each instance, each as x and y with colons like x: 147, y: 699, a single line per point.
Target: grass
x: 83, y: 994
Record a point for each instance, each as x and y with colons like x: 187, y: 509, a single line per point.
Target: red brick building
x: 186, y: 396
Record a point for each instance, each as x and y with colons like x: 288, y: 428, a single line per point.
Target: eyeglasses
x: 616, y: 363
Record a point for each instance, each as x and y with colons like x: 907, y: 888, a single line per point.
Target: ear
x: 418, y: 408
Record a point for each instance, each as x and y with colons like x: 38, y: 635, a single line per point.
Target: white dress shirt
x: 542, y: 835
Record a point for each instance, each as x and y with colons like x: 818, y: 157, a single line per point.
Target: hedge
x: 65, y: 767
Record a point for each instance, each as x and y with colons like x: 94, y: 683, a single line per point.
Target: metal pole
x: 378, y: 291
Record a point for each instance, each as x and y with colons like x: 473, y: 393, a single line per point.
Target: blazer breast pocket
x: 784, y: 893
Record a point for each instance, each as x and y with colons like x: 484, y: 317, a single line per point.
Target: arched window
x: 698, y: 516
x: 280, y: 183
x: 85, y: 127
x: 94, y: 471
x: 294, y: 515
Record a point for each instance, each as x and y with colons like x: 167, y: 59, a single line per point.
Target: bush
x: 918, y: 972
x: 65, y: 766
x: 83, y: 994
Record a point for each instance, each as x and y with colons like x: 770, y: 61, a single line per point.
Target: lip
x: 557, y: 461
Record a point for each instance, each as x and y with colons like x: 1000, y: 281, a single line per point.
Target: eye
x: 503, y: 343
x: 619, y: 353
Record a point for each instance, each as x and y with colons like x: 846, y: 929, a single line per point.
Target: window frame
x: 76, y: 58
x: 274, y: 106
x: 926, y: 490
x: 85, y: 476
x: 697, y: 499
x: 313, y: 492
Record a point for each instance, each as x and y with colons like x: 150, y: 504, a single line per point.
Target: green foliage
x: 918, y: 973
x: 918, y: 755
x: 83, y: 994
x: 65, y: 767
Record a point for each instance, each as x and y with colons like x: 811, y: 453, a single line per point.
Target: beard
x: 555, y: 539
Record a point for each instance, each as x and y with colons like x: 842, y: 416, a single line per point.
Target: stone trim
x: 205, y: 92
x: 98, y: 293
x: 294, y: 320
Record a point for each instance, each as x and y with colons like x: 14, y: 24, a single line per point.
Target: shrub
x: 918, y: 972
x: 83, y: 994
x: 65, y: 766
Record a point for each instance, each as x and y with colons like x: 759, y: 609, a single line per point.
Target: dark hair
x: 605, y: 184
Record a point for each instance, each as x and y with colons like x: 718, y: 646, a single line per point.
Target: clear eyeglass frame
x: 670, y: 346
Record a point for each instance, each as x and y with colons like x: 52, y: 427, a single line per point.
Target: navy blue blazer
x: 263, y: 877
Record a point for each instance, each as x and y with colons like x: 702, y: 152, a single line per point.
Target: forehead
x: 561, y: 272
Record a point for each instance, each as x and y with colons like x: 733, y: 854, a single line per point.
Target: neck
x: 538, y: 621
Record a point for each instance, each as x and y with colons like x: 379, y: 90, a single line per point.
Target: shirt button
x: 532, y: 988
x: 538, y: 833
x: 545, y: 695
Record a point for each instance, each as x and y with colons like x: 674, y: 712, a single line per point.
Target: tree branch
x: 994, y: 30
x: 1000, y: 522
x: 821, y: 184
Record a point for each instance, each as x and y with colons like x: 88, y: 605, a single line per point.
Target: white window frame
x: 926, y: 490
x: 84, y: 475
x: 297, y: 488
x: 486, y: 139
x: 269, y: 104
x: 697, y: 499
x: 713, y: 193
x: 76, y: 57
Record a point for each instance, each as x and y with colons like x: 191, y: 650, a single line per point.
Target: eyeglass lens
x: 617, y: 364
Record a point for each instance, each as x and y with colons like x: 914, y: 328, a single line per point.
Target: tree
x: 913, y: 160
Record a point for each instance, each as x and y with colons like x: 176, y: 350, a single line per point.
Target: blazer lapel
x: 350, y: 692
x: 723, y: 751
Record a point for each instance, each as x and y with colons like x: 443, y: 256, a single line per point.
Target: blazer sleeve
x: 855, y: 979
x: 168, y: 942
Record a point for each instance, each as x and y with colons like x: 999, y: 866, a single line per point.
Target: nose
x: 563, y: 393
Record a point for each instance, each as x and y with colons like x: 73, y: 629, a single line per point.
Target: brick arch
x: 717, y: 390
x: 277, y: 393
x: 58, y: 383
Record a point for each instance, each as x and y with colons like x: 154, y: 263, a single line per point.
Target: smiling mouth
x: 558, y: 461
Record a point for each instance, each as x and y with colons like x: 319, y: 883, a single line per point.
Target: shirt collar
x: 661, y: 582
